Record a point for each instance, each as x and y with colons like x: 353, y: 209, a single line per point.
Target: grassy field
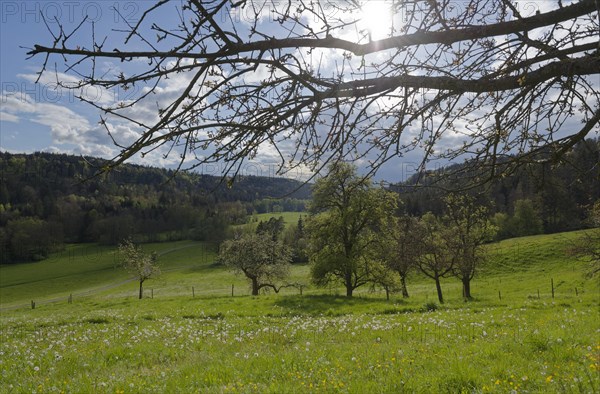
x: 289, y: 218
x: 509, y: 339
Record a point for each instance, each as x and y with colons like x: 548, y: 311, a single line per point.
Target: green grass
x: 88, y: 268
x: 109, y: 342
x: 289, y: 218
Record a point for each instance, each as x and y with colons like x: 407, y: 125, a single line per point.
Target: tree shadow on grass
x: 329, y: 305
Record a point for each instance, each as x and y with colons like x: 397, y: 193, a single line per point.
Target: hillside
x: 518, y: 268
x: 532, y: 327
x: 47, y: 200
x: 561, y: 193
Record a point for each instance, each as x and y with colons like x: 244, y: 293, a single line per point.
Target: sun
x: 376, y: 17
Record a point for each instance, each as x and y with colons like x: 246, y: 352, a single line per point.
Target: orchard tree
x: 142, y: 265
x: 501, y: 82
x: 259, y: 257
x: 587, y: 246
x: 436, y: 260
x: 347, y: 212
x: 468, y: 228
x: 382, y: 275
x: 401, y: 247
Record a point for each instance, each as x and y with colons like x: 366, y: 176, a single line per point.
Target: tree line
x: 536, y: 198
x: 358, y: 234
x: 47, y: 200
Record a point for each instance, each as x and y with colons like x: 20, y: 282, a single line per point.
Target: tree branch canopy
x: 312, y: 82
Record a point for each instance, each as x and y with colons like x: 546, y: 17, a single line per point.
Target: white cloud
x: 6, y: 117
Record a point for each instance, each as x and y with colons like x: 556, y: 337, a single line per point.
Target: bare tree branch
x: 485, y: 82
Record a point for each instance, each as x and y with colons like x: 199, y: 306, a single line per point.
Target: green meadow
x: 198, y: 330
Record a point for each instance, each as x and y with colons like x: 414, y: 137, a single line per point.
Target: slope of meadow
x: 106, y: 341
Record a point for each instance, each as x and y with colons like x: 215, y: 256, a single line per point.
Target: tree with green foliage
x: 259, y: 257
x: 587, y: 246
x: 468, y: 228
x: 382, y: 275
x: 30, y: 239
x: 295, y: 238
x: 273, y: 227
x: 135, y: 261
x: 526, y: 219
x: 436, y: 259
x: 400, y: 247
x: 346, y: 213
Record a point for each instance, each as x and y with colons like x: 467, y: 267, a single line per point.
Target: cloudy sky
x: 45, y: 117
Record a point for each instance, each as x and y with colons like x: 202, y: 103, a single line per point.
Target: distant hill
x: 561, y: 194
x: 47, y: 199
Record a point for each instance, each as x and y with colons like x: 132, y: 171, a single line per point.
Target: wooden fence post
x: 32, y: 304
x: 552, y: 284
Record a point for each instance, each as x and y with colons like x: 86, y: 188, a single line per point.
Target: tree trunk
x: 438, y: 287
x: 141, y: 289
x: 255, y: 287
x: 348, y: 282
x: 467, y: 288
x: 387, y: 293
x: 403, y: 285
x: 349, y: 290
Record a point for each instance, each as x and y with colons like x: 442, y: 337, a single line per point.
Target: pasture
x: 514, y: 337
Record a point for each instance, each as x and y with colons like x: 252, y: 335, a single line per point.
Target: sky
x: 43, y: 117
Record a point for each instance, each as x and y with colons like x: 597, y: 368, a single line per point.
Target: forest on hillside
x: 47, y: 200
x: 534, y: 199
